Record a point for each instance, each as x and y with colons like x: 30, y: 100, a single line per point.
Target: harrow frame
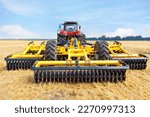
x: 26, y: 59
x: 78, y: 67
x: 135, y: 61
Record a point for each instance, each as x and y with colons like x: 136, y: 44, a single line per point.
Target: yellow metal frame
x: 117, y: 51
x: 79, y: 51
x: 28, y: 52
x: 74, y: 51
x: 80, y: 63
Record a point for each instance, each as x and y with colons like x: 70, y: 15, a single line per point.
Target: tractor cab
x: 69, y: 29
x: 69, y: 26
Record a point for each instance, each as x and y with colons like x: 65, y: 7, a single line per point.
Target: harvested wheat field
x: 19, y: 84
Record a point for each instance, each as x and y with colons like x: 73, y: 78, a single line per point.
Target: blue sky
x: 40, y: 18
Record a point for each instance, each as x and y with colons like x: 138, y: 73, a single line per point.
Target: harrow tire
x: 101, y: 47
x: 51, y: 48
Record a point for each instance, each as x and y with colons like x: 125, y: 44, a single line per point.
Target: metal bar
x: 25, y: 59
x: 69, y: 54
x: 92, y: 62
x: 141, y: 58
x: 125, y: 55
x: 39, y: 51
x: 85, y: 55
x: 111, y: 51
x: 123, y: 50
x: 27, y: 49
x: 76, y: 53
x: 26, y: 56
x: 80, y: 68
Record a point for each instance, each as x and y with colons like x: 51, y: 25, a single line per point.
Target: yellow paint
x: 78, y: 50
x: 31, y: 48
x: 81, y: 62
x: 117, y: 51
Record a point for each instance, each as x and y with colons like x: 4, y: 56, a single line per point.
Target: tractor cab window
x: 71, y: 27
x: 61, y: 26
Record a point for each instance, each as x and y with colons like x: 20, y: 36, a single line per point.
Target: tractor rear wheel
x: 60, y: 38
x: 81, y: 37
x: 101, y: 47
x: 51, y: 48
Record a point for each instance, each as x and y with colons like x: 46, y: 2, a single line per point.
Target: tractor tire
x: 51, y: 48
x: 60, y: 38
x: 105, y: 42
x: 101, y: 47
x: 81, y: 37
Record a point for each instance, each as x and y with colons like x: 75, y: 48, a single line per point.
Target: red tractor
x: 69, y: 29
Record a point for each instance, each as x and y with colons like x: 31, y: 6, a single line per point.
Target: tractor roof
x: 70, y: 22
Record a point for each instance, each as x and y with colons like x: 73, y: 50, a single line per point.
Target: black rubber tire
x: 101, y: 47
x: 60, y: 38
x: 81, y: 37
x: 105, y: 42
x: 51, y: 48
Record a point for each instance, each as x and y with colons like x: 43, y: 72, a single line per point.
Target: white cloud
x: 16, y: 31
x: 12, y: 5
x: 20, y: 7
x: 121, y: 32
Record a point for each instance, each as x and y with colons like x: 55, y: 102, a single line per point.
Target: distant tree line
x: 103, y: 37
x: 118, y: 38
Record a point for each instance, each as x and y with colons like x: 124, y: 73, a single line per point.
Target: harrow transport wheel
x: 101, y: 47
x: 51, y: 48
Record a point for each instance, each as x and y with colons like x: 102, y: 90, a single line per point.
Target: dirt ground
x: 19, y: 84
